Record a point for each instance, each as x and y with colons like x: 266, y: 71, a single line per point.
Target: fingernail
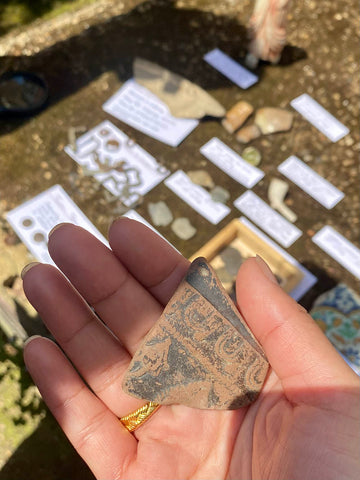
x: 55, y: 228
x: 113, y: 223
x: 28, y: 267
x: 30, y: 339
x: 264, y: 267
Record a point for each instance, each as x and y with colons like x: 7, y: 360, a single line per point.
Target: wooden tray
x: 248, y: 244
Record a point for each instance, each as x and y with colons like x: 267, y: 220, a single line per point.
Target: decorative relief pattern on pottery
x: 194, y: 356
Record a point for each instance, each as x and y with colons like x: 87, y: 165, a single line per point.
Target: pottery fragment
x: 200, y: 353
x: 248, y: 133
x: 184, y: 98
x: 219, y: 194
x: 237, y: 116
x: 273, y: 120
x: 160, y: 214
x: 232, y: 259
x: 183, y: 228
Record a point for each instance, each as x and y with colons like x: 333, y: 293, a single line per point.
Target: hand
x: 304, y: 425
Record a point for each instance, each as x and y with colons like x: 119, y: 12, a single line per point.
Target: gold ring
x: 137, y: 418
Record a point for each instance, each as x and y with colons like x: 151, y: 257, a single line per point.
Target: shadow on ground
x: 46, y: 454
x: 174, y: 38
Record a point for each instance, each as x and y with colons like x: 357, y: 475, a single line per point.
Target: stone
x: 252, y: 156
x: 232, y: 260
x: 201, y: 177
x: 273, y: 120
x: 226, y: 279
x: 248, y: 133
x: 183, y: 228
x: 200, y: 353
x: 160, y: 214
x: 276, y: 193
x: 219, y: 194
x: 237, y: 116
x: 184, y: 98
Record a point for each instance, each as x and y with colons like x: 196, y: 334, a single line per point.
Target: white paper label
x: 122, y: 166
x: 231, y: 163
x: 230, y: 69
x: 311, y: 182
x: 138, y: 107
x: 319, y: 117
x: 339, y: 248
x: 308, y: 279
x: 34, y: 219
x: 197, y: 197
x: 270, y: 221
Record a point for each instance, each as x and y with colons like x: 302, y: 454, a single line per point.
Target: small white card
x: 231, y: 163
x: 339, y: 248
x: 138, y: 107
x: 270, y: 221
x: 118, y: 163
x: 197, y: 197
x: 34, y: 219
x: 311, y: 182
x: 308, y: 279
x: 319, y: 117
x: 231, y: 69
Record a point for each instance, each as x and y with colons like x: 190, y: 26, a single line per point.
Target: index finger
x: 127, y: 286
x: 148, y: 257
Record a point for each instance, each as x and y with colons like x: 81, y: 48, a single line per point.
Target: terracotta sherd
x: 248, y: 133
x: 273, y: 120
x: 200, y: 353
x: 237, y: 116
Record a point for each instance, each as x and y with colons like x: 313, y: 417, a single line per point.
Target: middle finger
x: 121, y: 302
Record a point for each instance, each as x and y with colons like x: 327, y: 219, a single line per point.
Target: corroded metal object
x: 200, y: 353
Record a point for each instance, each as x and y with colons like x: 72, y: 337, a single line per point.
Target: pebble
x: 183, y: 228
x: 232, y: 260
x: 252, y: 156
x: 237, y: 116
x: 219, y: 194
x: 202, y: 178
x: 160, y: 214
x: 272, y: 120
x: 246, y: 134
x: 225, y: 277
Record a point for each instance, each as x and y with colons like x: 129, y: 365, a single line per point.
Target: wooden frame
x: 249, y: 245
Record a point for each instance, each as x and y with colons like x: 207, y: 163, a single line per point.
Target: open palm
x: 305, y: 423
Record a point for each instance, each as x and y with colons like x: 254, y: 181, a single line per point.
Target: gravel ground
x: 87, y: 56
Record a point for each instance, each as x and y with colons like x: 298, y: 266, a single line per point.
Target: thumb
x: 298, y: 351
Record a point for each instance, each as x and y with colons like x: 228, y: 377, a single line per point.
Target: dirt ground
x: 86, y: 58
